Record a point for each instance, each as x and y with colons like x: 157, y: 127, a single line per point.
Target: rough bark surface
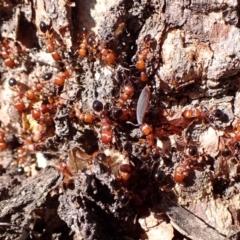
x: 165, y: 190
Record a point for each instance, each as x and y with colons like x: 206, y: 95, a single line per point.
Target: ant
x: 3, y: 144
x: 126, y: 94
x: 19, y: 103
x: 89, y: 117
x: 31, y: 95
x: 82, y: 52
x: 88, y: 44
x: 46, y: 29
x: 107, y: 134
x: 41, y: 114
x: 7, y: 54
x: 84, y: 117
x: 182, y: 171
x: 200, y: 114
x: 61, y: 77
x: 108, y: 56
x: 147, y: 130
x: 123, y: 114
x: 142, y: 56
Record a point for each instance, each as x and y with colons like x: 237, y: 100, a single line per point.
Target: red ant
x: 106, y: 131
x: 126, y: 94
x: 142, y: 56
x: 50, y: 44
x: 199, y: 114
x: 31, y: 95
x: 84, y: 117
x: 6, y: 54
x: 147, y: 130
x: 108, y: 56
x: 89, y: 117
x: 82, y: 52
x: 182, y: 171
x: 88, y: 44
x: 3, y: 144
x: 41, y: 114
x: 61, y: 77
x: 19, y: 104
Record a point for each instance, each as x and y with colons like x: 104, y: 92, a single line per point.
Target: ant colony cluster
x: 130, y: 128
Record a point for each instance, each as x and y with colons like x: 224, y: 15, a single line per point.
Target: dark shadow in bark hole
x: 26, y: 33
x: 47, y: 222
x: 103, y: 194
x: 219, y: 186
x: 190, y: 179
x: 88, y: 141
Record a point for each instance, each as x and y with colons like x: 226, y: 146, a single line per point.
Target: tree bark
x: 192, y: 62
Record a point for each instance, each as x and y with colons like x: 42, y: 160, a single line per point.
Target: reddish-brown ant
x: 19, y: 103
x: 88, y: 44
x: 50, y: 42
x: 86, y: 117
x: 126, y: 94
x: 6, y: 54
x: 108, y: 56
x: 182, y: 171
x: 3, y: 144
x: 106, y: 130
x: 61, y: 77
x: 203, y: 114
x: 147, y: 130
x: 31, y: 95
x: 82, y: 52
x: 142, y: 56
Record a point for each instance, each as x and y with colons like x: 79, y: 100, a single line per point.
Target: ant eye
x: 117, y: 113
x: 84, y: 30
x: 43, y: 27
x: 217, y: 113
x: 147, y: 38
x: 192, y: 151
x: 101, y: 157
x: 12, y: 82
x: 90, y: 41
x: 124, y: 198
x: 48, y: 76
x: 226, y: 152
x: 97, y: 106
x: 159, y: 176
x: 20, y: 170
